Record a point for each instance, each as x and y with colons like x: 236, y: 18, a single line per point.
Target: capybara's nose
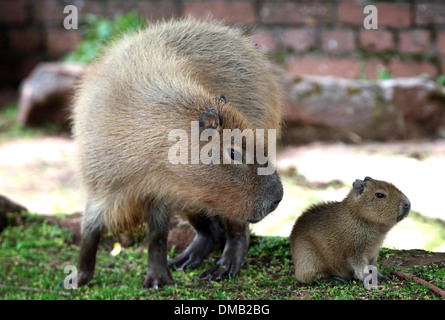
x: 278, y: 197
x: 406, y: 206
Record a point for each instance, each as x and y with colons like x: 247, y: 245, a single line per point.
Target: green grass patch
x: 10, y: 129
x: 33, y: 257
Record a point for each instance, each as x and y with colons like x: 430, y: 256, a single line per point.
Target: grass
x: 10, y: 129
x: 33, y: 257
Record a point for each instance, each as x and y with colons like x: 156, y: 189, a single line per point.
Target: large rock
x: 317, y: 108
x: 46, y: 94
x: 335, y: 109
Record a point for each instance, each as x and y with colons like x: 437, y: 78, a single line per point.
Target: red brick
x: 376, y: 40
x: 22, y: 40
x: 337, y: 40
x: 344, y: 67
x: 299, y: 39
x: 14, y: 68
x: 389, y: 15
x: 95, y: 7
x: 231, y: 12
x: 62, y: 41
x: 49, y: 11
x: 393, y: 15
x: 372, y: 68
x: 410, y: 68
x: 13, y: 11
x: 157, y: 10
x: 120, y: 7
x: 296, y: 13
x: 441, y: 42
x: 414, y: 41
x: 264, y: 40
x: 7, y: 96
x: 350, y: 13
x: 430, y: 13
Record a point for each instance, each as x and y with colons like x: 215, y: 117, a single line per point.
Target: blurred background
x: 358, y: 102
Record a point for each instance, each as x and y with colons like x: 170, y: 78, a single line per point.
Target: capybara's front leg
x: 209, y: 231
x: 91, y: 233
x: 235, y: 249
x: 158, y: 225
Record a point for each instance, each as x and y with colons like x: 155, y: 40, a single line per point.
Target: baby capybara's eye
x: 380, y: 195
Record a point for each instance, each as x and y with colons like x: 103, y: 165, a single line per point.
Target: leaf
x: 116, y: 249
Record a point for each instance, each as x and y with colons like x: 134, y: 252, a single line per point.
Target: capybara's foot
x: 228, y: 265
x: 209, y: 231
x: 334, y: 279
x: 84, y: 277
x: 158, y: 279
x: 195, y: 253
x: 382, y: 277
x: 221, y: 271
x: 74, y: 282
x: 190, y: 258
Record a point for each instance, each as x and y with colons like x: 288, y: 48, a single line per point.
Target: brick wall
x: 305, y: 37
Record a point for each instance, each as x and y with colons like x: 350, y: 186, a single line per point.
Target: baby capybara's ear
x: 210, y: 119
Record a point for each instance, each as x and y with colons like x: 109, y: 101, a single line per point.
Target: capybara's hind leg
x: 235, y: 249
x: 158, y: 219
x: 91, y: 232
x: 209, y: 231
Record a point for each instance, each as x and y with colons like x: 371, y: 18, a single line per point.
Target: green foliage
x: 10, y: 129
x: 441, y: 79
x: 384, y: 74
x: 98, y: 32
x: 33, y: 257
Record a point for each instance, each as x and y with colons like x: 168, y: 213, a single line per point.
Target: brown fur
x: 144, y: 86
x: 338, y: 239
x: 150, y: 83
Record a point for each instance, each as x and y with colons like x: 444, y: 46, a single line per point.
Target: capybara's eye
x: 380, y: 195
x: 235, y: 155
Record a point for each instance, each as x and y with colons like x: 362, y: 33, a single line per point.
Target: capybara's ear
x: 210, y: 119
x: 359, y: 186
x: 222, y: 98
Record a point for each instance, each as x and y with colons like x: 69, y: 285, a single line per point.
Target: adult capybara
x: 165, y: 79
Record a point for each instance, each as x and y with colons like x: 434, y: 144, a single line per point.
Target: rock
x: 46, y: 94
x: 73, y: 222
x: 421, y: 101
x: 8, y: 206
x: 317, y: 108
x: 181, y: 233
x: 410, y: 258
x: 336, y: 109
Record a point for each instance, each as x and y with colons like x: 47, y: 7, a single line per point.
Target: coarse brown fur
x: 152, y: 82
x: 338, y: 239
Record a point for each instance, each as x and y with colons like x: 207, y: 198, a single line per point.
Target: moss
x: 298, y: 79
x: 315, y: 90
x: 279, y: 56
x: 351, y: 91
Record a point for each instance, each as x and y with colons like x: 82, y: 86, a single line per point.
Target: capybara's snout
x: 269, y: 199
